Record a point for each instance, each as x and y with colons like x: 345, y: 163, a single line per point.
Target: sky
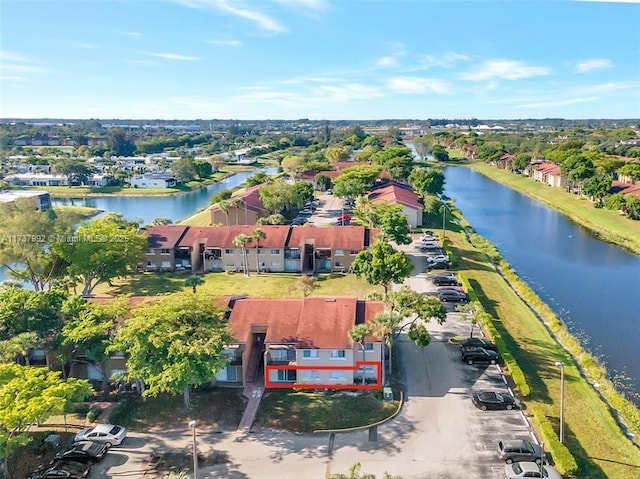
x: 319, y: 59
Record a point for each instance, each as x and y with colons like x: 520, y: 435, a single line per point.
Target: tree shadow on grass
x: 149, y: 284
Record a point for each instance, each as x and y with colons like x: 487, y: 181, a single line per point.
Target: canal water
x: 593, y: 286
x: 175, y: 207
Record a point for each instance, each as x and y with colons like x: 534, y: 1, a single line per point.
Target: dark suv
x: 444, y: 280
x: 518, y: 450
x: 447, y: 295
x: 478, y: 343
x: 473, y: 355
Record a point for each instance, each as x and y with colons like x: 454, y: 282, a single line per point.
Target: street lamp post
x: 561, y: 366
x: 444, y: 216
x: 192, y: 425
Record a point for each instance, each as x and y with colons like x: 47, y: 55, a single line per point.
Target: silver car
x: 530, y: 469
x: 103, y: 433
x: 517, y: 450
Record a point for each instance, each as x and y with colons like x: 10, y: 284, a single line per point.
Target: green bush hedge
x: 93, y: 413
x: 562, y: 458
x: 121, y: 412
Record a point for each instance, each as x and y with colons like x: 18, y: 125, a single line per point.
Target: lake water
x: 592, y: 285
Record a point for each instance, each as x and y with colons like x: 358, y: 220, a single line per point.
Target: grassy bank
x: 271, y: 285
x: 605, y: 224
x: 80, y: 212
x: 592, y: 435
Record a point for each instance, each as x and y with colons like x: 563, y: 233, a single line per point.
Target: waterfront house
x: 164, y: 253
x: 505, y: 162
x: 41, y: 179
x: 549, y: 173
x: 41, y: 199
x: 153, y: 180
x: 244, y: 208
x: 294, y: 343
x: 400, y: 194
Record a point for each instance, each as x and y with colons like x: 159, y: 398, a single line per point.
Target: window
x: 337, y: 376
x: 339, y: 252
x: 261, y: 251
x: 228, y: 251
x: 232, y: 373
x: 286, y: 375
x: 275, y: 251
x: 368, y: 346
x: 279, y: 354
x: 310, y: 353
x: 339, y: 264
x: 337, y: 354
x: 165, y: 251
x: 353, y: 252
x: 311, y: 375
x: 150, y: 252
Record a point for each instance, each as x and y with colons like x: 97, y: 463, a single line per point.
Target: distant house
x: 41, y: 199
x: 304, y: 249
x: 153, y: 180
x: 549, y: 173
x: 42, y: 179
x: 295, y: 343
x: 505, y: 162
x: 244, y: 209
x: 400, y: 194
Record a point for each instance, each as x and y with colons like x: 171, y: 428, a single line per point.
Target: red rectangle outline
x: 356, y: 367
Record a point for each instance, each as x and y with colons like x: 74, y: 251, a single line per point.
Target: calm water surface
x: 592, y: 285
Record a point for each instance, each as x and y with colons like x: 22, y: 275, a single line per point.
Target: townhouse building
x: 243, y: 208
x: 549, y: 173
x: 400, y: 194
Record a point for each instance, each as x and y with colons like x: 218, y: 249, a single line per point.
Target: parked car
x: 329, y: 191
x: 300, y: 220
x: 478, y: 343
x: 530, y: 469
x: 305, y: 212
x: 434, y: 258
x: 444, y: 280
x: 452, y: 295
x: 429, y: 239
x: 344, y: 218
x: 88, y: 452
x: 448, y: 288
x: 438, y: 265
x: 342, y: 223
x: 108, y: 434
x: 494, y: 400
x: 517, y: 450
x: 61, y: 470
x: 472, y: 355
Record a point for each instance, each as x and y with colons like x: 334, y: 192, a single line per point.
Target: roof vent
x: 330, y: 300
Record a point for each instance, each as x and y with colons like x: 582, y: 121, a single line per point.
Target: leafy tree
x: 427, y: 181
x: 358, y: 334
x: 119, y: 143
x: 439, y: 153
x: 105, y: 248
x: 18, y: 347
x: 25, y: 311
x: 173, y: 343
x: 365, y: 174
x: 277, y: 219
x: 225, y: 207
x: 29, y: 395
x: 354, y: 473
x: 474, y: 314
x: 307, y: 284
x: 161, y: 221
x: 598, y: 187
x: 349, y: 188
x: 257, y: 179
x: 422, y: 145
x: 184, y: 170
x: 193, y: 282
x: 392, y: 223
x: 203, y: 168
x: 632, y: 206
x: 242, y: 240
x: 26, y: 243
x: 90, y: 327
x: 257, y: 235
x: 521, y: 162
x: 615, y: 202
x: 399, y: 168
x: 396, y: 160
x: 630, y: 169
x: 292, y: 164
x: 381, y: 265
x: 335, y: 154
x: 76, y: 170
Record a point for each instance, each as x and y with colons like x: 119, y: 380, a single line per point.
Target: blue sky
x: 317, y: 59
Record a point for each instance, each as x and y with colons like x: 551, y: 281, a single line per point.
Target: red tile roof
x: 165, y: 236
x: 395, y: 193
x: 222, y: 236
x: 344, y: 237
x: 625, y: 188
x: 316, y: 322
x: 549, y: 168
x: 250, y: 200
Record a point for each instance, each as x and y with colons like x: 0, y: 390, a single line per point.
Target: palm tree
x: 242, y: 240
x: 236, y: 204
x: 225, y: 206
x: 358, y: 334
x: 257, y: 235
x: 384, y: 326
x: 193, y: 282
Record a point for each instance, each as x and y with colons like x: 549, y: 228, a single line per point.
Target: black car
x: 61, y: 470
x: 478, y: 355
x: 84, y: 451
x: 444, y: 281
x: 478, y: 343
x: 447, y: 295
x: 493, y: 400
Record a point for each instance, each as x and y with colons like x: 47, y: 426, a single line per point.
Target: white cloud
x: 12, y: 78
x: 234, y: 8
x: 386, y: 62
x: 556, y: 103
x: 14, y: 57
x: 414, y: 85
x: 315, y: 5
x: 174, y: 56
x: 593, y: 64
x: 505, y: 69
x: 443, y: 60
x: 228, y: 43
x: 131, y: 34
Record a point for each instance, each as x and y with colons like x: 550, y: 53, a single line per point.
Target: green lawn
x: 606, y: 224
x: 271, y: 285
x: 306, y: 412
x: 81, y: 212
x: 591, y: 434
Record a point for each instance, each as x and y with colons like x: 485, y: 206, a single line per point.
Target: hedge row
x: 562, y: 457
x: 93, y: 413
x: 121, y: 412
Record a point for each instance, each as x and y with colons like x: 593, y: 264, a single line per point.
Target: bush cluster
x: 562, y: 458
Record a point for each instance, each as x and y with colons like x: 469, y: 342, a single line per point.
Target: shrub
x: 81, y: 408
x: 93, y: 413
x: 121, y: 412
x: 562, y: 458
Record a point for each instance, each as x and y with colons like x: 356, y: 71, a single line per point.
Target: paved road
x: 438, y: 434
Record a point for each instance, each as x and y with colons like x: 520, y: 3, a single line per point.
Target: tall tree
x: 307, y: 284
x: 184, y: 170
x: 241, y: 241
x: 598, y: 187
x: 104, y: 248
x: 358, y: 334
x: 119, y: 143
x: 75, y: 169
x: 225, y: 207
x: 381, y: 265
x: 29, y: 395
x: 25, y: 311
x: 173, y: 343
x: 427, y: 181
x: 422, y: 145
x: 257, y: 235
x: 292, y: 164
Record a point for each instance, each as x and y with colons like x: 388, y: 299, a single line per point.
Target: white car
x: 530, y: 469
x: 440, y: 258
x: 108, y: 434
